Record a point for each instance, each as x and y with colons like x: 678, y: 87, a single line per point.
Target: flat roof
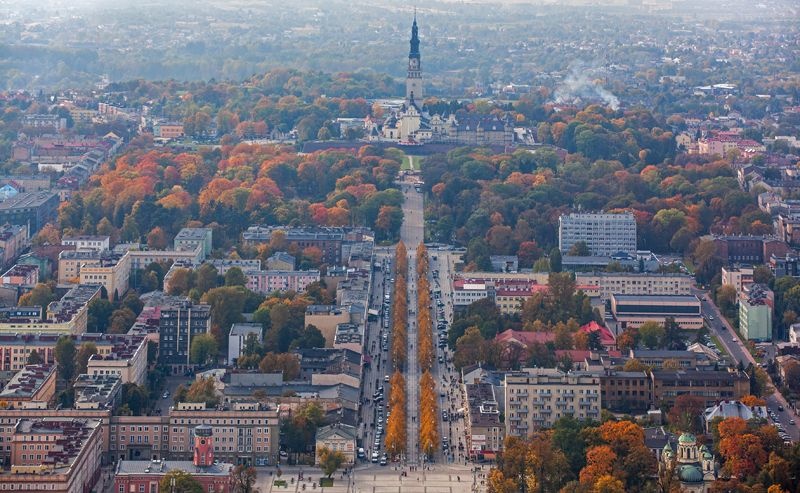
x: 656, y: 297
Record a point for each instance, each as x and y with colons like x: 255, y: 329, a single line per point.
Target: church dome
x: 690, y: 474
x: 687, y: 438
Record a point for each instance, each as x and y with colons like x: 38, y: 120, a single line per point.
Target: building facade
x: 604, y: 234
x: 710, y: 386
x: 635, y: 283
x: 634, y: 310
x: 756, y: 302
x: 180, y: 321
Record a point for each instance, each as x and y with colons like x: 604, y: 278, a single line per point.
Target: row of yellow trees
x: 425, y: 353
x: 428, y: 404
x: 400, y: 308
x: 396, y: 431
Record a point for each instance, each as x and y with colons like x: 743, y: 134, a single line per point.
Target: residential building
x: 329, y: 366
x: 268, y: 281
x: 645, y: 283
x: 13, y: 241
x: 54, y: 123
x: 30, y: 209
x: 733, y: 409
x: 180, y: 321
x: 684, y: 360
x: 748, y: 249
x: 34, y: 386
x: 142, y: 258
x: 145, y: 475
x: 96, y: 243
x: 237, y: 337
x: 188, y: 239
x: 168, y: 130
x: 785, y: 265
x: 224, y: 265
x: 756, y: 302
x: 106, y: 268
x: 338, y: 437
x: 604, y: 336
x: 711, y: 386
x: 349, y: 336
x: 67, y: 455
x: 65, y: 316
x: 504, y: 263
x: 326, y: 318
x: 634, y: 310
x: 15, y: 348
x: 737, y: 277
x: 125, y: 357
x: 21, y: 275
x: 626, y: 391
x: 281, y: 261
x: 536, y: 398
x: 329, y: 240
x: 97, y: 391
x: 484, y: 431
x: 604, y: 234
x: 514, y: 344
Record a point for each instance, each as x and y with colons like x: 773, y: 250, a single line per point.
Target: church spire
x: 414, y: 52
x: 414, y: 89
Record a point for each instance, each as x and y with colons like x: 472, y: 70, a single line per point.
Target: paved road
x: 734, y: 346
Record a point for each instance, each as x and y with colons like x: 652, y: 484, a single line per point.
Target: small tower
x: 203, y: 446
x: 414, y: 77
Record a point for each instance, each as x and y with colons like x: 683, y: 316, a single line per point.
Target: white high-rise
x: 604, y: 234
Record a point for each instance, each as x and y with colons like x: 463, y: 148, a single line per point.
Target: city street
x: 734, y: 346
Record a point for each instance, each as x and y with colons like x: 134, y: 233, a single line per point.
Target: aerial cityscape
x: 370, y: 247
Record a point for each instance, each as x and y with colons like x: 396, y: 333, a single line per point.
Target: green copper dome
x: 690, y: 474
x: 687, y: 438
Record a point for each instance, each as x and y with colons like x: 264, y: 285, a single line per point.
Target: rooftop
x: 193, y: 233
x: 27, y: 382
x: 161, y: 467
x: 242, y: 329
x: 98, y: 390
x: 72, y: 437
x: 679, y: 298
x: 25, y: 200
x: 73, y: 301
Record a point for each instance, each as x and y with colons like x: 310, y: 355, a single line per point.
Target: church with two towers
x: 411, y: 124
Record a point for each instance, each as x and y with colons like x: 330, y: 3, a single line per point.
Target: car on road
x: 780, y: 408
x: 375, y: 457
x: 386, y: 378
x: 735, y: 339
x: 165, y: 395
x: 361, y: 453
x: 791, y: 422
x: 383, y: 461
x: 711, y: 317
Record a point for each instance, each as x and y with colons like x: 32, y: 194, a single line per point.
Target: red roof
x: 606, y: 337
x: 524, y: 338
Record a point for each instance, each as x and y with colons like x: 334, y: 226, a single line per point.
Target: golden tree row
x: 399, y: 352
x: 426, y: 351
x: 396, y: 434
x: 428, y: 414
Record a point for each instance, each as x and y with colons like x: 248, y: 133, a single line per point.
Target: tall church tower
x: 414, y: 78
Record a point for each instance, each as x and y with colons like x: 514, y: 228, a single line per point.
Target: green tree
x: 65, y: 358
x: 203, y: 350
x: 651, y: 334
x: 85, y: 352
x: 311, y: 337
x: 555, y: 260
x: 34, y: 358
x: 121, y: 320
x: 330, y: 460
x: 98, y: 315
x: 135, y: 398
x: 40, y: 295
x: 178, y: 481
x: 579, y: 249
x: 201, y: 390
x: 206, y: 278
x: 235, y: 277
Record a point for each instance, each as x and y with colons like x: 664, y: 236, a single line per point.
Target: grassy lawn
x: 326, y: 481
x: 280, y: 482
x: 410, y: 163
x: 720, y: 346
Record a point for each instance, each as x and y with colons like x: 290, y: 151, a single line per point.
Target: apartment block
x: 97, y: 391
x: 180, y: 321
x: 626, y: 391
x: 756, y: 302
x: 65, y: 316
x: 97, y: 243
x: 268, y: 281
x: 21, y: 275
x: 326, y: 318
x: 189, y: 239
x: 13, y: 241
x: 485, y: 432
x: 535, y: 398
x: 605, y: 234
x: 54, y: 454
x: 645, y: 283
x: 125, y: 357
x: 34, y: 210
x: 634, y: 310
x: 34, y: 386
x: 168, y: 130
x: 329, y: 240
x: 737, y: 277
x: 106, y: 268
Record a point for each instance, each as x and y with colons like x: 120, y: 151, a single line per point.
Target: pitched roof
x: 524, y: 338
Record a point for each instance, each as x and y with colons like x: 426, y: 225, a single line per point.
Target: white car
x: 735, y: 339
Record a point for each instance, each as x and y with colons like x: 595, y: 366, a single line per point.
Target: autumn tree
x: 244, y: 477
x: 330, y: 460
x: 178, y: 481
x: 203, y: 349
x: 286, y: 363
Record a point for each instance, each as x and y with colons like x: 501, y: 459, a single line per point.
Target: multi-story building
x: 238, y: 336
x: 54, y: 454
x: 106, y: 268
x: 97, y: 391
x: 634, y: 310
x: 685, y: 360
x: 33, y: 209
x: 146, y: 475
x: 168, y: 130
x: 223, y: 265
x: 268, y: 281
x: 189, y: 239
x: 326, y: 318
x: 15, y: 348
x: 536, y: 398
x: 349, y: 336
x: 604, y: 234
x: 54, y: 123
x: 31, y: 387
x: 13, y: 240
x: 482, y: 420
x: 711, y: 386
x: 338, y: 437
x: 281, y: 261
x: 125, y: 357
x: 756, y: 302
x: 142, y: 258
x: 645, y: 283
x: 65, y: 316
x: 21, y: 275
x: 749, y: 249
x: 180, y: 321
x: 737, y: 277
x: 97, y: 243
x: 328, y: 239
x: 626, y: 391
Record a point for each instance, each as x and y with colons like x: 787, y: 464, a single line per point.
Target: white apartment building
x: 635, y: 283
x: 737, y: 277
x: 536, y: 398
x: 604, y: 234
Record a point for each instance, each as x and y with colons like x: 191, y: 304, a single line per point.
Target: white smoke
x: 581, y: 84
